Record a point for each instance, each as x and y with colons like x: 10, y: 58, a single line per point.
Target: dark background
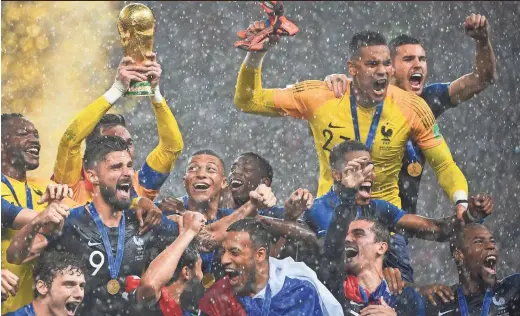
x: 195, y: 45
x: 194, y: 42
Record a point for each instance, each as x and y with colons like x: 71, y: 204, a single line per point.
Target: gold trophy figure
x: 136, y: 26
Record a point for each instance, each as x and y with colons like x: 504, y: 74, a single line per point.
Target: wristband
x: 470, y: 217
x: 157, y: 97
x: 115, y: 92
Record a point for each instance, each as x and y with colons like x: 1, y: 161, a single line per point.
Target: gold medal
x: 414, y: 169
x: 113, y: 287
x: 207, y: 280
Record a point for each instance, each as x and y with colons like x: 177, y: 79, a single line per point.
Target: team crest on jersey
x: 501, y: 301
x: 139, y: 242
x: 387, y: 133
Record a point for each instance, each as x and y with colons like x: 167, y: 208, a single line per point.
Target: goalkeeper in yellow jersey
x: 93, y: 122
x: 381, y: 116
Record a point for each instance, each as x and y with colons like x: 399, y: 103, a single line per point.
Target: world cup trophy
x: 136, y: 26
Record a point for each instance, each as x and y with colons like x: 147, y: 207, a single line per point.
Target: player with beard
x: 411, y: 70
x: 256, y: 284
x: 103, y: 233
x: 319, y: 217
x: 20, y: 154
x: 93, y: 122
x: 354, y: 265
x: 381, y: 116
x: 475, y: 252
x: 172, y: 283
x: 59, y: 279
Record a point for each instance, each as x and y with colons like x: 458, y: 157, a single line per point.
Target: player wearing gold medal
x: 381, y: 116
x: 411, y: 69
x: 104, y: 234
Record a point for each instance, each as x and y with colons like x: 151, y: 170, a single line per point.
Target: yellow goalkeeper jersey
x: 404, y: 116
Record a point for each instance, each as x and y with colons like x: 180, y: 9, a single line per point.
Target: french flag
x: 293, y: 289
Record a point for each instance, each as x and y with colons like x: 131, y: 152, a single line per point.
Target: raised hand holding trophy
x: 136, y: 26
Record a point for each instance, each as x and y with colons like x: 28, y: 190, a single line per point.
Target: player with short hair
x: 104, y: 233
x: 93, y: 122
x: 292, y: 239
x: 172, y: 283
x: 257, y: 284
x: 411, y: 70
x: 20, y: 154
x: 382, y: 116
x: 320, y: 216
x: 59, y: 281
x: 204, y: 182
x: 478, y: 292
x: 353, y: 252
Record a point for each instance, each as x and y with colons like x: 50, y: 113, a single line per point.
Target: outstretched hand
x: 356, y: 171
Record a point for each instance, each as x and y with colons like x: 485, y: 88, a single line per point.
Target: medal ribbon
x: 411, y: 153
x: 336, y: 203
x: 28, y: 195
x: 113, y: 265
x: 375, y: 120
x: 29, y: 310
x: 485, y: 305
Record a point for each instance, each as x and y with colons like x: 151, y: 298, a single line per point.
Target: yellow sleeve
x: 450, y: 177
x: 170, y: 146
x: 300, y: 100
x: 67, y: 168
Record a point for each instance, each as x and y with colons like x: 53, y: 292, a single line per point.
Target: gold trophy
x: 136, y: 25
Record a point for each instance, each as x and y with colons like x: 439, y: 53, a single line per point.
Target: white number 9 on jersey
x: 97, y: 265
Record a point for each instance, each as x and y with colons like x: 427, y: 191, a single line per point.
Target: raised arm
x: 299, y: 101
x: 67, y: 168
x: 162, y: 268
x: 160, y: 161
x: 476, y: 26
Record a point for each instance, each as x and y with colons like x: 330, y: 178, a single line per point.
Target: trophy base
x: 140, y: 89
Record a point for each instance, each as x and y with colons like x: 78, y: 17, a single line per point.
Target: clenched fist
x: 193, y: 221
x: 262, y: 197
x: 476, y: 27
x: 297, y: 203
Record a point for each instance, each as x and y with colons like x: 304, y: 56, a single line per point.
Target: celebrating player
x: 382, y: 116
x: 15, y: 217
x: 204, y: 181
x: 475, y: 252
x: 355, y: 264
x: 319, y: 217
x: 92, y: 122
x: 20, y: 154
x: 174, y: 276
x: 256, y: 284
x: 101, y: 233
x: 59, y: 280
x: 411, y: 69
